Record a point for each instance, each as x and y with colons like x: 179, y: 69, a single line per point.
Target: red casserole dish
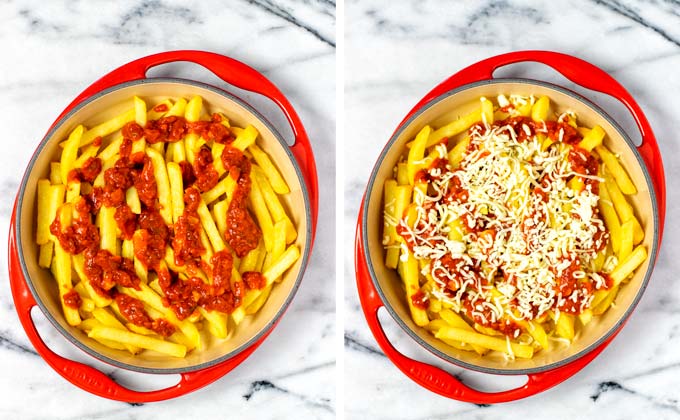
x: 32, y: 286
x: 380, y: 287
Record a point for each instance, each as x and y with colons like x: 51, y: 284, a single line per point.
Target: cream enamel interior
x: 105, y: 107
x: 391, y: 286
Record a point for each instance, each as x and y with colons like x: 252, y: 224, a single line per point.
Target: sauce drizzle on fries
x: 146, y: 224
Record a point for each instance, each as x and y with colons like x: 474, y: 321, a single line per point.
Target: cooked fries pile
x: 510, y: 228
x: 162, y: 221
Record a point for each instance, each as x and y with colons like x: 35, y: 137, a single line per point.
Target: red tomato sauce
x: 74, y: 239
x: 91, y: 168
x: 105, y: 271
x: 243, y: 234
x: 150, y: 241
x: 551, y: 129
x: 133, y: 310
x: 72, y: 299
x: 420, y: 300
x: 186, y: 242
x: 206, y: 175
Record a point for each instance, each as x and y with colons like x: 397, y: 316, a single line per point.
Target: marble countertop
x: 395, y: 53
x: 51, y: 51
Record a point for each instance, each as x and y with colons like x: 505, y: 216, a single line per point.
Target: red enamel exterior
x: 434, y: 378
x: 88, y: 378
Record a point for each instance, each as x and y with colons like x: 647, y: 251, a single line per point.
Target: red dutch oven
x: 109, y: 96
x: 459, y: 94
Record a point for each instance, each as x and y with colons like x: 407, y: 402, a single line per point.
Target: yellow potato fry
x: 611, y: 219
x: 45, y: 257
x: 107, y: 164
x: 219, y: 213
x: 88, y: 152
x: 55, y: 173
x: 539, y: 112
x: 275, y: 178
x: 107, y: 127
x: 226, y: 185
x: 410, y: 279
x: 454, y: 128
x: 138, y: 340
x: 606, y: 302
x: 487, y: 111
x: 282, y: 264
x: 417, y: 153
x: 209, y: 225
x: 402, y: 174
x: 138, y: 330
x: 178, y: 108
x: 457, y: 154
x: 626, y: 240
x: 107, y: 230
x: 454, y: 320
x: 257, y: 303
x: 245, y: 138
x: 623, y: 208
x: 154, y: 115
x: 176, y: 190
x: 70, y: 153
x: 111, y: 150
x: 132, y: 200
x: 49, y: 199
x: 218, y: 322
x: 163, y: 184
x: 178, y: 151
x: 564, y: 326
x: 62, y: 273
x: 73, y: 192
x: 617, y: 171
x: 274, y: 205
x: 262, y: 214
x: 493, y: 343
x: 192, y: 112
x: 217, y: 149
x: 627, y: 266
x: 592, y: 138
x: 140, y: 111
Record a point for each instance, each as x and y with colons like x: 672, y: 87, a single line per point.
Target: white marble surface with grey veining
x: 395, y: 53
x: 50, y: 52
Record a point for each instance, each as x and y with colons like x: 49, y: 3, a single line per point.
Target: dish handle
x: 584, y: 74
x: 236, y: 74
x: 91, y: 379
x: 436, y: 379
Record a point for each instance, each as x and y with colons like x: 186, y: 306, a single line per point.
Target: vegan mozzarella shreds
x: 505, y: 234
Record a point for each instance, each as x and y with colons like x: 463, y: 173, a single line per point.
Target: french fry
x: 161, y: 175
x: 457, y: 154
x: 138, y: 340
x: 627, y: 237
x: 611, y: 219
x: 262, y: 214
x: 417, y: 153
x: 455, y: 127
x: 592, y: 139
x: 78, y: 263
x: 210, y: 229
x: 107, y: 230
x: 487, y: 111
x: 564, y: 326
x: 45, y: 257
x: 178, y: 108
x: 107, y: 127
x: 410, y: 279
x: 245, y: 138
x: 132, y: 200
x: 176, y: 190
x: 628, y: 265
x: 70, y: 152
x: 539, y: 112
x: 606, y: 302
x: 275, y: 178
x: 274, y: 205
x: 454, y: 320
x: 620, y: 175
x: 494, y: 343
x: 140, y: 111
